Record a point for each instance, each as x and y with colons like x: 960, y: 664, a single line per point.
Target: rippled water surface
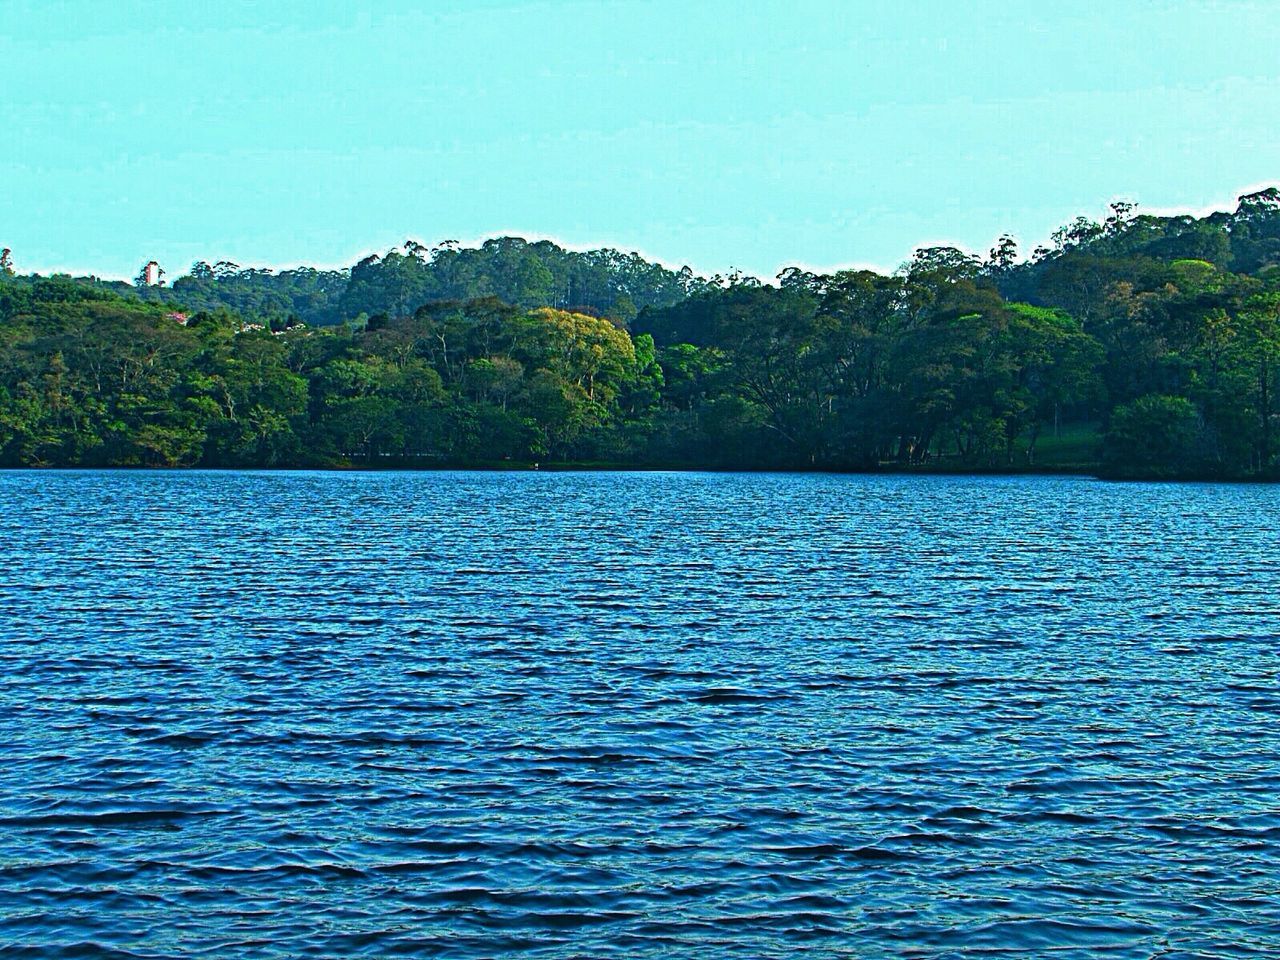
x: 636, y: 715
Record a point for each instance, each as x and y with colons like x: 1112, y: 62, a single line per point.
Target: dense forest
x: 1139, y: 346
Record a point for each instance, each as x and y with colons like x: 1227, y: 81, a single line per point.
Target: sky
x: 744, y: 135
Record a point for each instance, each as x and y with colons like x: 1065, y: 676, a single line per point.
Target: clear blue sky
x: 747, y: 134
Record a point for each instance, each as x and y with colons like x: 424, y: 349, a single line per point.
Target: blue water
x: 636, y: 715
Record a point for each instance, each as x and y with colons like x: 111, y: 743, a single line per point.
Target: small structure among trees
x: 151, y: 275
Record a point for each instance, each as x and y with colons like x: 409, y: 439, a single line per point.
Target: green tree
x: 1154, y: 436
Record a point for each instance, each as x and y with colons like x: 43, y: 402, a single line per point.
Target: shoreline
x: 1088, y: 472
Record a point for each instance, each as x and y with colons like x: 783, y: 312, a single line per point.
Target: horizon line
x: 1199, y: 212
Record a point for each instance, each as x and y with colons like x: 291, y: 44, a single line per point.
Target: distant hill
x: 1086, y: 256
x: 603, y: 282
x: 1083, y: 258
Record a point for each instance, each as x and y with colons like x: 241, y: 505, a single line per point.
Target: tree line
x: 1135, y: 346
x: 516, y: 271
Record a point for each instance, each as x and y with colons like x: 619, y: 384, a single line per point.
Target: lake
x: 636, y: 715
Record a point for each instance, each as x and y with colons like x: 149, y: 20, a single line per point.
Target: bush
x: 1155, y: 436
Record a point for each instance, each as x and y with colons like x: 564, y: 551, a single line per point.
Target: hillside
x: 1138, y: 346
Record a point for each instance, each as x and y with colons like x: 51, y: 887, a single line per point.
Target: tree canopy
x: 1155, y: 339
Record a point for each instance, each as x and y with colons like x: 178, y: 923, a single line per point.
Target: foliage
x: 1155, y: 435
x: 1158, y: 335
x: 600, y: 282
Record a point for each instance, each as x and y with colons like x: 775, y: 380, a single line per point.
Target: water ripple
x: 640, y: 715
